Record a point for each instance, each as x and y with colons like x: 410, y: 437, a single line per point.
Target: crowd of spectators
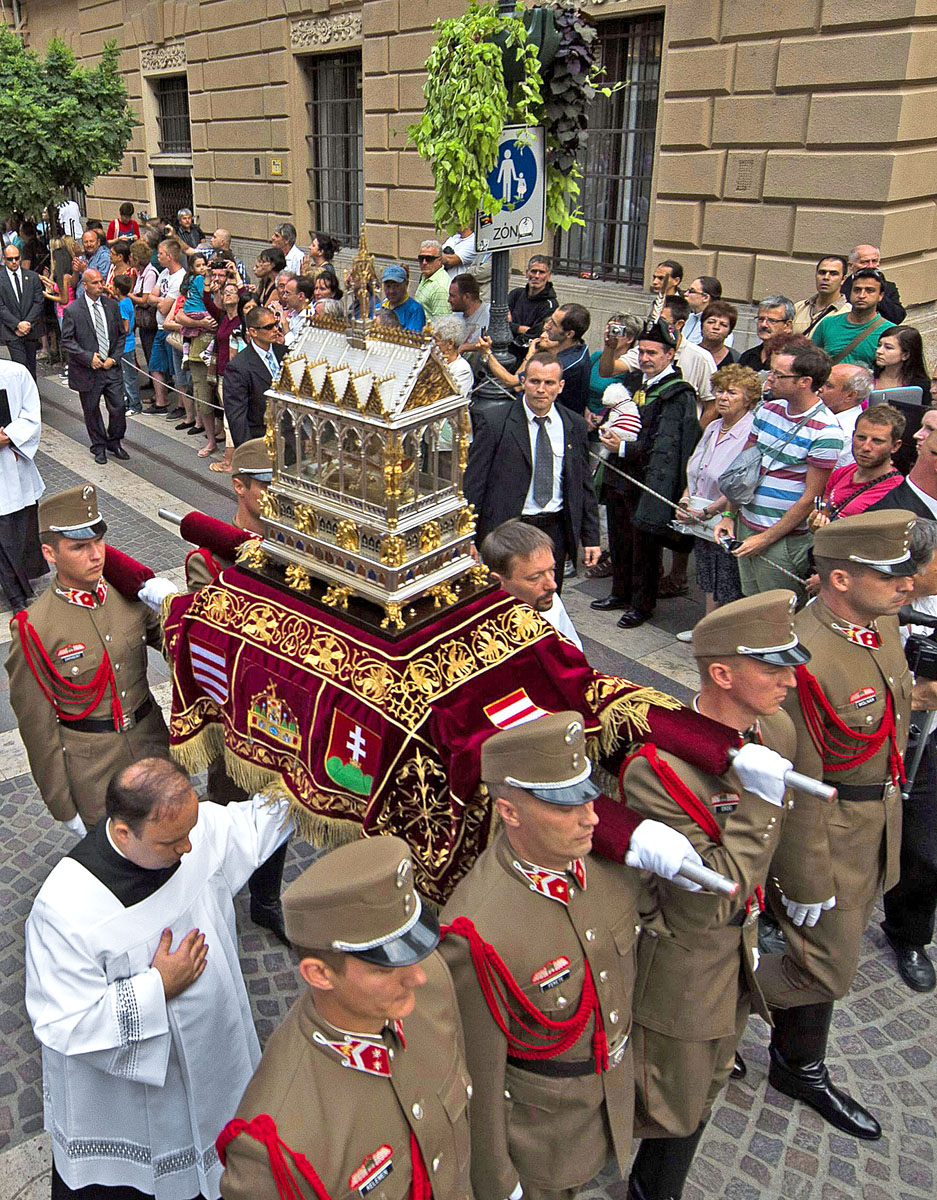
x: 820, y: 395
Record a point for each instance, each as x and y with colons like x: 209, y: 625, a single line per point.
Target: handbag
x: 174, y: 339
x: 739, y: 481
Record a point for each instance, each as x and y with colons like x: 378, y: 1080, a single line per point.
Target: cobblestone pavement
x: 759, y: 1145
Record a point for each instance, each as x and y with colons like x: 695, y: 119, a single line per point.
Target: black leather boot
x: 661, y: 1167
x: 265, y: 885
x: 798, y: 1070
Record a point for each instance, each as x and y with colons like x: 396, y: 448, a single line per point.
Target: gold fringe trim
x: 626, y: 716
x: 196, y: 752
x: 208, y: 744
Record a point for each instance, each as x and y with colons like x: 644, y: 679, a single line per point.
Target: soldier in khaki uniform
x: 850, y: 713
x: 363, y: 1090
x: 77, y: 668
x: 251, y: 473
x: 552, y: 1104
x: 697, y: 955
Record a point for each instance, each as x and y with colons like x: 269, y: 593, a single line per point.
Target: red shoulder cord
x: 851, y: 747
x: 56, y: 688
x: 207, y: 558
x: 263, y: 1129
x: 686, y: 799
x: 499, y: 988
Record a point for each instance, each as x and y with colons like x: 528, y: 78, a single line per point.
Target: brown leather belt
x: 87, y: 725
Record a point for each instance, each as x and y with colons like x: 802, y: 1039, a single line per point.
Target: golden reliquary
x: 369, y: 437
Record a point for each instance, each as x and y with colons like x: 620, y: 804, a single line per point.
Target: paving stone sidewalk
x: 759, y: 1146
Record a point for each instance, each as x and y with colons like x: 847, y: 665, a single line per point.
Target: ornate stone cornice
x: 340, y: 29
x: 163, y: 58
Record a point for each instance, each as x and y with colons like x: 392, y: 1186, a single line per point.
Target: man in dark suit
x: 93, y: 336
x: 249, y: 374
x: 890, y: 306
x: 530, y: 459
x: 911, y: 905
x: 21, y: 304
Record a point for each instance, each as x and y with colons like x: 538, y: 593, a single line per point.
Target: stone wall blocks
x: 687, y: 124
x: 838, y: 176
x: 684, y: 176
x: 380, y: 16
x: 735, y: 272
x: 760, y: 120
x: 678, y: 223
x: 380, y: 168
x: 699, y: 70
x: 768, y: 227
x: 829, y: 61
x: 693, y: 21
x: 741, y: 18
x: 382, y: 239
x: 409, y: 51
x: 380, y: 94
x: 756, y: 66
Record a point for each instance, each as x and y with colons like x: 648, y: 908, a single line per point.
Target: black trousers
x: 636, y: 556
x: 24, y: 351
x: 554, y: 525
x: 14, y: 564
x: 911, y: 904
x: 97, y: 1191
x: 109, y: 387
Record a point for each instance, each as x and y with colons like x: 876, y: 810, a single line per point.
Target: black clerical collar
x: 129, y: 883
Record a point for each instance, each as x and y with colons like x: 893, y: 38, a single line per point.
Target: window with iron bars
x: 617, y: 159
x: 334, y: 141
x: 172, y: 117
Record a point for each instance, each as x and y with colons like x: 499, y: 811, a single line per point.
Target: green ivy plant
x: 569, y: 84
x: 468, y: 105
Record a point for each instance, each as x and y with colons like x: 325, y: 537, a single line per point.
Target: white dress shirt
x: 846, y: 420
x: 262, y: 355
x: 294, y: 259
x: 554, y: 428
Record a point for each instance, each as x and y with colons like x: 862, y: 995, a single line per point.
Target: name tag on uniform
x: 552, y: 973
x: 375, y: 1168
x: 73, y: 650
x: 863, y: 697
x: 725, y: 802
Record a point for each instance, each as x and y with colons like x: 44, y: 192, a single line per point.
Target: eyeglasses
x: 771, y: 320
x: 272, y: 326
x: 869, y: 273
x: 695, y: 292
x: 12, y: 257
x: 427, y: 257
x: 783, y: 375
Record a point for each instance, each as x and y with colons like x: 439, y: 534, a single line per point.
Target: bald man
x: 93, y: 336
x: 890, y: 306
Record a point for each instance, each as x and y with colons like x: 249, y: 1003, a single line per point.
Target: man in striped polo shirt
x: 800, y: 441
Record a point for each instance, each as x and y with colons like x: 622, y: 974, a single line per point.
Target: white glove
x: 155, y: 591
x: 76, y: 825
x: 656, y: 847
x: 806, y: 914
x: 761, y: 771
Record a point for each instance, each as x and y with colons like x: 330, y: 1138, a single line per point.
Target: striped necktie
x: 100, y: 328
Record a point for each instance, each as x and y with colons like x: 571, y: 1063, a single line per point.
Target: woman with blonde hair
x: 736, y: 390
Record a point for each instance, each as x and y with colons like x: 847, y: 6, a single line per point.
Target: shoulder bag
x: 739, y: 481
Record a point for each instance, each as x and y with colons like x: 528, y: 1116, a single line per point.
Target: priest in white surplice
x: 134, y: 988
x: 20, y: 483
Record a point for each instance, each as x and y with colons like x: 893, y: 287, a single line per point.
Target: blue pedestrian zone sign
x: 517, y: 180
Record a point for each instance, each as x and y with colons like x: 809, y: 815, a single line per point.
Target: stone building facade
x: 750, y: 139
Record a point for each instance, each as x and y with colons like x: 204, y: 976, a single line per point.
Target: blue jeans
x: 128, y: 367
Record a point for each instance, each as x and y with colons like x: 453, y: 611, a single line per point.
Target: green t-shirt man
x: 835, y: 332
